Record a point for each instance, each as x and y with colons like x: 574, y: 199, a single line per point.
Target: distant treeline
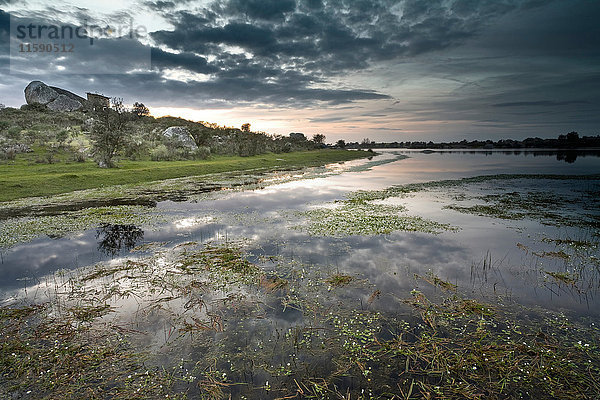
x: 570, y: 140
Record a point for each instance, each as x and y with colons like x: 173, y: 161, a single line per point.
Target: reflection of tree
x: 113, y: 238
x: 568, y: 156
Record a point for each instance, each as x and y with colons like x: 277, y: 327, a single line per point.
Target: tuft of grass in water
x: 435, y: 280
x: 563, y: 277
x: 553, y: 254
x: 273, y: 283
x: 337, y: 280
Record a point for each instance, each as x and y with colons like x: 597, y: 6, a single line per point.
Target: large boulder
x: 56, y: 99
x: 180, y: 136
x: 39, y: 93
x: 64, y: 103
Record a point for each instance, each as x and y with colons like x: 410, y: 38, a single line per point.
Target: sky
x: 387, y: 70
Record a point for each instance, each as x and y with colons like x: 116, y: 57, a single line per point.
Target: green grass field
x: 22, y: 178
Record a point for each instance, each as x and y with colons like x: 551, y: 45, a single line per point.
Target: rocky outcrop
x: 38, y: 92
x: 64, y: 103
x: 56, y: 99
x: 180, y: 136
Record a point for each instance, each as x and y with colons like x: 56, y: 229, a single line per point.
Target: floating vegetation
x: 553, y: 254
x: 435, y: 280
x: 564, y: 277
x: 550, y: 207
x: 546, y: 207
x: 203, y: 321
x: 45, y: 357
x: 572, y: 243
x: 339, y: 280
x: 362, y: 218
x: 24, y: 229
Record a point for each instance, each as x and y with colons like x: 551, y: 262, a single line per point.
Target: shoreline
x: 19, y: 181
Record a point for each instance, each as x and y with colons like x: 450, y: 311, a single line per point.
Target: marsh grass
x: 210, y: 324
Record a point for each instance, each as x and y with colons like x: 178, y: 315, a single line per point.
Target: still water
x: 486, y: 256
x: 332, y: 282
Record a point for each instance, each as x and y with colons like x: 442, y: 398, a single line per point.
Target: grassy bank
x: 22, y: 179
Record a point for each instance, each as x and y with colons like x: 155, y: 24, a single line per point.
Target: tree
x: 202, y: 134
x: 365, y: 142
x: 297, y: 136
x: 318, y: 138
x: 110, y: 132
x: 246, y: 127
x: 572, y: 136
x: 341, y: 143
x: 140, y: 110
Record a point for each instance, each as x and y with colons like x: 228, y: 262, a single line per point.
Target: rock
x: 180, y: 136
x: 70, y: 95
x: 39, y: 93
x: 64, y: 103
x: 56, y: 99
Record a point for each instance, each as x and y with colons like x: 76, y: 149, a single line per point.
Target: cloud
x: 162, y: 59
x: 259, y: 9
x: 523, y: 64
x: 544, y: 103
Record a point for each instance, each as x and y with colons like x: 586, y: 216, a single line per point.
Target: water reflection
x: 389, y: 262
x: 567, y: 155
x: 112, y: 239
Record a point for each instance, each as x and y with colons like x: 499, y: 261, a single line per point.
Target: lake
x: 268, y: 278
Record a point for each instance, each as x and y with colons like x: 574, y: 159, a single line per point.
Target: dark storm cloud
x: 257, y: 9
x: 162, y: 59
x: 521, y: 63
x: 4, y: 25
x: 543, y: 103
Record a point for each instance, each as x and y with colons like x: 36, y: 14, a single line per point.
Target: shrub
x: 160, y: 153
x: 13, y: 133
x: 202, y: 153
x: 9, y: 154
x: 35, y: 107
x: 80, y: 157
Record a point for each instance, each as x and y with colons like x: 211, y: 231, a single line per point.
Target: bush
x: 9, y: 154
x: 13, y: 133
x: 160, y: 153
x: 80, y: 157
x: 202, y: 153
x: 287, y: 147
x: 35, y: 107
